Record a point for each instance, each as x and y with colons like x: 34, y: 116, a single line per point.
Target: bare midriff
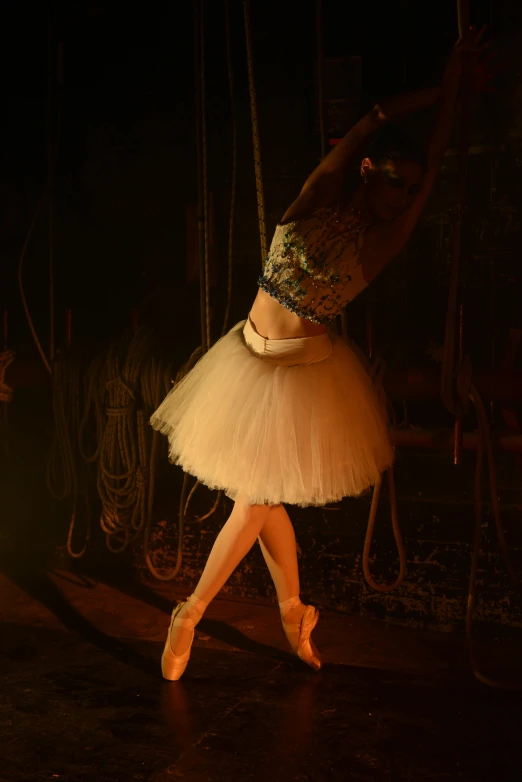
x: 273, y: 321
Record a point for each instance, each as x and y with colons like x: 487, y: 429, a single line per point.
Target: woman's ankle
x: 287, y: 605
x: 194, y: 608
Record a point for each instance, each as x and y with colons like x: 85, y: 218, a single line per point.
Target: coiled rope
x: 123, y: 386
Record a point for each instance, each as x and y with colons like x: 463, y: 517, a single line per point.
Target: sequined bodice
x: 313, y: 266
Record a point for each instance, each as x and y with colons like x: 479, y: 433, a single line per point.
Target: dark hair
x: 392, y: 143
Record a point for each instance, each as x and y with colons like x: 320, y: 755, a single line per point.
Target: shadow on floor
x: 43, y: 589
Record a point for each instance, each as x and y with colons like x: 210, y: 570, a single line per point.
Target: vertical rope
x: 320, y: 79
x: 205, y: 173
x: 448, y: 364
x: 199, y: 159
x: 234, y: 166
x: 50, y: 172
x: 255, y: 131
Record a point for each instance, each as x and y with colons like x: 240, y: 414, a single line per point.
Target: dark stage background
x: 124, y: 195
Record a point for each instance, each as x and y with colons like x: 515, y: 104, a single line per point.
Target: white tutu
x: 302, y: 434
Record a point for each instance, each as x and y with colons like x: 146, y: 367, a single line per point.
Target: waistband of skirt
x: 290, y: 351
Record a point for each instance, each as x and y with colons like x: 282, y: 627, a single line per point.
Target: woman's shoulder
x: 321, y: 213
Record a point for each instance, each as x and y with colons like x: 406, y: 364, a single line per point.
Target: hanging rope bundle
x: 126, y: 391
x: 122, y: 464
x: 124, y: 385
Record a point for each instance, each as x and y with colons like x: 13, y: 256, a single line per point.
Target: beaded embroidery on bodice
x: 313, y: 266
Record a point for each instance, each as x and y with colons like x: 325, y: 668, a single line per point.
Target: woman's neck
x: 357, y: 201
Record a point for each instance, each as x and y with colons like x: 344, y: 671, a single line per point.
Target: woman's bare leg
x: 236, y: 538
x: 279, y: 547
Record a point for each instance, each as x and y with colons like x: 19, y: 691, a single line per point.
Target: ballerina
x: 282, y: 409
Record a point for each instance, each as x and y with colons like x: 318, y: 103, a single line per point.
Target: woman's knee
x: 252, y: 511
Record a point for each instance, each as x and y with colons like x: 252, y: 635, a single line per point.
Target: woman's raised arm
x: 324, y: 185
x: 383, y: 241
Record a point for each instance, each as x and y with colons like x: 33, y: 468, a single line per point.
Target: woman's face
x: 391, y: 187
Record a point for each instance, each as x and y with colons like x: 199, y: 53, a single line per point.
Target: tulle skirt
x: 296, y: 421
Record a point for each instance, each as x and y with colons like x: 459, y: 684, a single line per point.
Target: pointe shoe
x: 173, y: 665
x: 299, y: 635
